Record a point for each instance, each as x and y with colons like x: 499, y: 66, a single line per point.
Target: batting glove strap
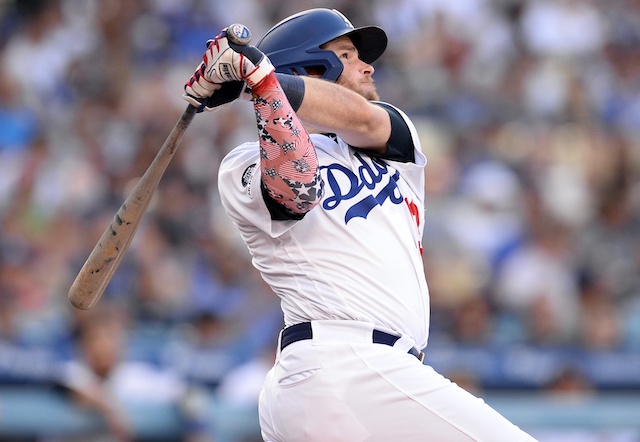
x: 259, y: 73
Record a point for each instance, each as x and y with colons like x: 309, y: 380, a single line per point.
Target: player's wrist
x: 267, y: 83
x: 259, y: 73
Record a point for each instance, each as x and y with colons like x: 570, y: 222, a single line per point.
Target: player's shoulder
x: 404, y: 141
x: 246, y: 152
x: 399, y: 114
x: 245, y: 149
x: 238, y: 164
x: 393, y: 109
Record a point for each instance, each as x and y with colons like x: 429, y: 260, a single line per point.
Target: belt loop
x: 404, y: 343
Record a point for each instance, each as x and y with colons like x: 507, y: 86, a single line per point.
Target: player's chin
x: 369, y: 91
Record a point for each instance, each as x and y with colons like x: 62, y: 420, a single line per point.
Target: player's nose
x: 366, y: 68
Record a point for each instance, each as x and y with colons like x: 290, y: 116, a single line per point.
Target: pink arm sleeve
x: 288, y: 159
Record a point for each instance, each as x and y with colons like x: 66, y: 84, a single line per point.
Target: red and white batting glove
x: 231, y: 62
x: 221, y: 64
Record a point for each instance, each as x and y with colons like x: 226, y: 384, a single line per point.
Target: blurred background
x: 528, y: 112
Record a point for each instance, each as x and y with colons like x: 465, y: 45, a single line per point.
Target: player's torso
x: 357, y: 255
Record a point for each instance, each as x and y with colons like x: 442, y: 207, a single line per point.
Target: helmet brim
x: 371, y: 42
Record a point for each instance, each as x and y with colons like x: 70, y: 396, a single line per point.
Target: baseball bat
x: 104, y: 259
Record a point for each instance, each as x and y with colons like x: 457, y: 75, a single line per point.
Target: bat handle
x: 239, y: 37
x: 187, y: 116
x: 238, y: 34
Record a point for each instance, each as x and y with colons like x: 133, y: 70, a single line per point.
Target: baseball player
x: 330, y: 203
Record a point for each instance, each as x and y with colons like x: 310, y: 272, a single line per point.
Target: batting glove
x: 228, y: 92
x: 224, y: 70
x: 232, y: 62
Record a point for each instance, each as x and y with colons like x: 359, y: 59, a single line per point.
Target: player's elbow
x: 307, y: 193
x: 298, y: 195
x: 372, y: 130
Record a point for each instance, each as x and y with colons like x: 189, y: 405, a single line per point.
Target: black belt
x: 302, y: 331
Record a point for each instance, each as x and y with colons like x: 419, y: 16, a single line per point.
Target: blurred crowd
x: 528, y: 112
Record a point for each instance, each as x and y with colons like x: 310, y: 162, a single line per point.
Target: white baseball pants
x: 339, y: 386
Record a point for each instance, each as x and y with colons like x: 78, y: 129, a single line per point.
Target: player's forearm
x: 288, y: 160
x: 329, y: 107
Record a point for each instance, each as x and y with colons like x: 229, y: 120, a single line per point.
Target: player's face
x: 356, y: 75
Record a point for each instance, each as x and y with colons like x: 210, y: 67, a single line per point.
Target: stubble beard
x: 366, y: 89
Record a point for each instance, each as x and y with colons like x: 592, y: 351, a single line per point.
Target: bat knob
x: 239, y: 34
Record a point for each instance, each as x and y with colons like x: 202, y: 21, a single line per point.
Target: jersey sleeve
x: 402, y: 143
x: 241, y: 192
x: 404, y: 148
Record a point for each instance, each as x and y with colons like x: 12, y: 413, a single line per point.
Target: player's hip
x: 356, y: 391
x: 336, y: 333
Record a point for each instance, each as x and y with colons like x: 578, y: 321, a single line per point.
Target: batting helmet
x: 293, y: 45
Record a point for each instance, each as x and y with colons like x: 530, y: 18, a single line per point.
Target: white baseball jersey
x: 353, y: 264
x: 355, y: 256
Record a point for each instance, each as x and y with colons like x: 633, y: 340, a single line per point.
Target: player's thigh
x: 417, y: 397
x: 288, y: 399
x: 310, y: 395
x: 371, y: 393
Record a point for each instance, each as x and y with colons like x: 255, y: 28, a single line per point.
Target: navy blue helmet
x: 293, y: 45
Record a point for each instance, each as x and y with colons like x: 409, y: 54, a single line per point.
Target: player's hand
x: 252, y: 63
x: 206, y: 91
x: 224, y: 69
x: 228, y: 92
x: 226, y: 61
